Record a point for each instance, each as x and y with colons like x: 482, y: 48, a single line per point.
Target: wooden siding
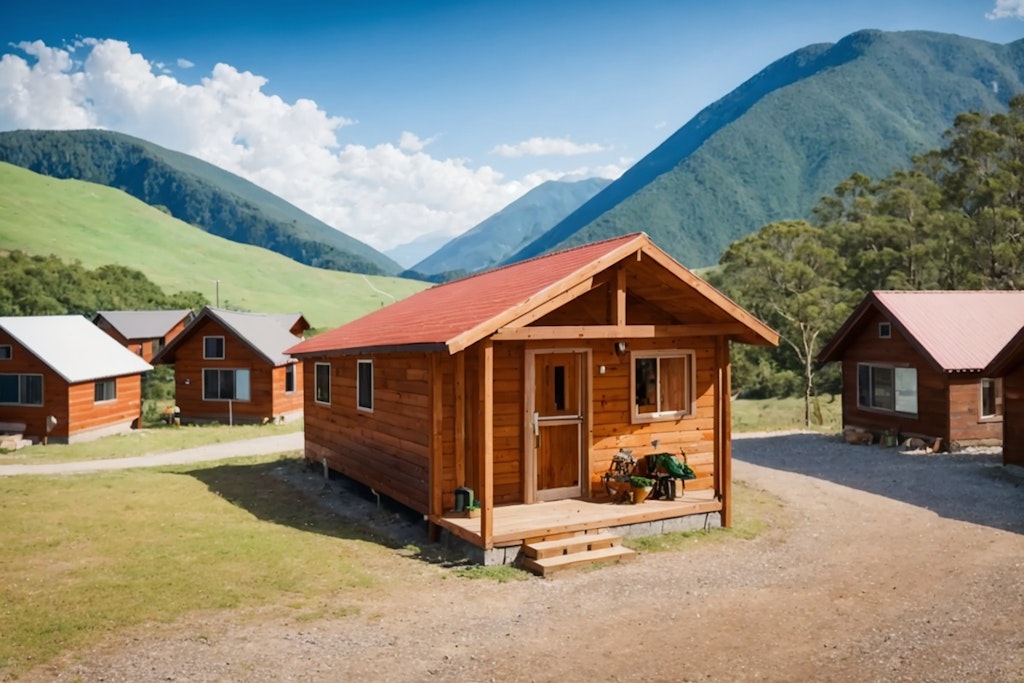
x: 144, y: 348
x: 387, y: 449
x: 1013, y: 417
x: 948, y: 405
x: 73, y: 407
x: 267, y: 398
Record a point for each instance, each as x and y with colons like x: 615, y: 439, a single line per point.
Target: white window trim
x: 111, y: 382
x: 316, y: 384
x: 359, y: 364
x: 895, y: 385
x: 223, y: 347
x: 997, y: 400
x: 691, y: 386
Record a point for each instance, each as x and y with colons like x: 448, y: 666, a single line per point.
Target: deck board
x: 514, y: 524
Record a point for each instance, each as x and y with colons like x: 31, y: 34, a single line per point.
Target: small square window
x: 213, y: 348
x: 5, y: 352
x: 884, y: 331
x: 105, y: 390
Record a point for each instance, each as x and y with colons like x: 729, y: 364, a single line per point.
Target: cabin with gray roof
x: 918, y: 364
x: 62, y: 380
x: 231, y: 367
x: 144, y: 332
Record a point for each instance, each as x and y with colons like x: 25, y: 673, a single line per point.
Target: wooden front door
x: 558, y: 410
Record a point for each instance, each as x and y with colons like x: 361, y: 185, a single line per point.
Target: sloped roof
x: 143, y: 324
x: 458, y: 314
x: 958, y: 331
x: 268, y: 334
x: 73, y: 347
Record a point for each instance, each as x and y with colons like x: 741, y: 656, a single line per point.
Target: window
x: 289, y: 378
x: 322, y: 383
x: 5, y: 352
x: 106, y: 390
x: 662, y: 386
x: 884, y: 331
x: 991, y: 397
x: 213, y: 348
x: 364, y: 385
x: 887, y: 388
x: 25, y: 390
x: 225, y: 385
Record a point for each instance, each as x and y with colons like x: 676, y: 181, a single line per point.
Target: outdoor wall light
x: 620, y: 348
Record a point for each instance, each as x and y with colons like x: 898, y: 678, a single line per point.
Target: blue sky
x: 393, y: 120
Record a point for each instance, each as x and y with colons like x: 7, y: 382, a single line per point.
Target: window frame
x: 100, y: 391
x: 885, y: 330
x: 689, y: 385
x: 322, y: 397
x: 997, y: 399
x: 24, y: 390
x: 289, y: 378
x: 6, y: 352
x: 234, y: 384
x: 209, y: 338
x: 367, y: 406
x: 899, y: 377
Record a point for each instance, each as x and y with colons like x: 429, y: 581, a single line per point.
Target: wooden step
x: 548, y: 565
x: 573, y: 544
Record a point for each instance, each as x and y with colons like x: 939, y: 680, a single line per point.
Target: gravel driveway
x: 895, y: 568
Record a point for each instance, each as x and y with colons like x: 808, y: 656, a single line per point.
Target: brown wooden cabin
x: 523, y: 382
x: 144, y: 332
x: 914, y: 364
x: 1008, y: 368
x: 231, y: 367
x: 63, y: 380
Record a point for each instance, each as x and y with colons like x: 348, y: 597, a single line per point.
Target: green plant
x: 641, y: 482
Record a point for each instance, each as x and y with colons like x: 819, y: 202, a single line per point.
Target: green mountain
x: 769, y: 150
x: 193, y: 191
x: 510, y: 229
x: 97, y: 225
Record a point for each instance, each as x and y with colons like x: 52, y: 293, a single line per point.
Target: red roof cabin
x: 144, y: 332
x: 915, y: 364
x: 522, y: 384
x: 231, y: 367
x: 63, y: 380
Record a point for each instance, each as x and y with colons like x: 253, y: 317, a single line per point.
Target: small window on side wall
x: 289, y: 378
x: 105, y: 390
x: 322, y: 382
x: 364, y: 385
x: 884, y: 331
x: 991, y: 397
x: 5, y: 352
x: 662, y: 385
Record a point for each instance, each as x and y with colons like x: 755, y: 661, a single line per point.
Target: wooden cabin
x: 1008, y: 369
x: 144, y: 332
x: 522, y: 383
x: 231, y: 367
x: 62, y: 380
x: 914, y: 364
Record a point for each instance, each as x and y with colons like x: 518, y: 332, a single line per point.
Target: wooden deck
x: 514, y: 524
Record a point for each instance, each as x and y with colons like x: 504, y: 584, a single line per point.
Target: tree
x: 788, y: 275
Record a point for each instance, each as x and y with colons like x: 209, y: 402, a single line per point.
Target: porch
x: 515, y: 525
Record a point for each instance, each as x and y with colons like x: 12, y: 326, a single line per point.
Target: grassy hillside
x: 97, y: 225
x: 193, y: 190
x: 773, y: 147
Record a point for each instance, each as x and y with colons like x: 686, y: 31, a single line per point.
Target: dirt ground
x: 895, y: 567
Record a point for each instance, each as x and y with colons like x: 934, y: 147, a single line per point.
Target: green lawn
x: 777, y: 414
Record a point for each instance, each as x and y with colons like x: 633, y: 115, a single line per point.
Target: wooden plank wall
x: 55, y: 393
x: 966, y: 423
x: 266, y: 383
x: 86, y: 414
x: 1013, y: 417
x: 387, y: 449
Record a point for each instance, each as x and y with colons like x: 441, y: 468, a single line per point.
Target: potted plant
x: 641, y: 488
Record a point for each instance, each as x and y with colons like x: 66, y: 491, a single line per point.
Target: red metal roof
x: 437, y: 315
x: 961, y: 330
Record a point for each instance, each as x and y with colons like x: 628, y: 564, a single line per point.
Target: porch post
x: 486, y: 449
x: 460, y: 418
x: 723, y: 429
x: 436, y: 462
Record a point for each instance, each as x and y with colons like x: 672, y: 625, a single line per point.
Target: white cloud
x: 184, y: 63
x: 535, y: 147
x: 385, y: 195
x: 1007, y: 9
